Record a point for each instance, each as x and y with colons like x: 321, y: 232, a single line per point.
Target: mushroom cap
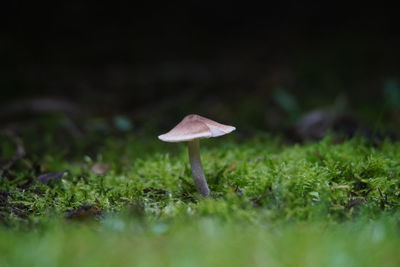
x: 195, y: 127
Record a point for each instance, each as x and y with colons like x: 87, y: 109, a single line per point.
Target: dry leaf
x: 44, y: 178
x: 100, y: 168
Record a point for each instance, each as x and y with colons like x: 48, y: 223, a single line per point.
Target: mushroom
x: 191, y: 129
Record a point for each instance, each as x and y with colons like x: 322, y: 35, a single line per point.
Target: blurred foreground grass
x: 273, y: 204
x: 204, y: 242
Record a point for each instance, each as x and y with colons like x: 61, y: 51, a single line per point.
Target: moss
x: 264, y: 194
x: 261, y: 176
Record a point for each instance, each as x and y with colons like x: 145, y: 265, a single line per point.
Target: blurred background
x: 293, y: 68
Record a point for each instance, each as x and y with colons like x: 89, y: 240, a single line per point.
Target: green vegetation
x: 273, y: 204
x: 204, y: 242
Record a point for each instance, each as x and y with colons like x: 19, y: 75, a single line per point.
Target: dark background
x: 260, y: 65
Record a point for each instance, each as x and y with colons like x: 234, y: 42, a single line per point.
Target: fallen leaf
x: 84, y: 212
x: 100, y: 168
x: 44, y: 178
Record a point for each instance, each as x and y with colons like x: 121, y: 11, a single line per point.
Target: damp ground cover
x: 132, y: 201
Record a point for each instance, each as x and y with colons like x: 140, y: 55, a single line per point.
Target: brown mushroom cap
x: 194, y: 127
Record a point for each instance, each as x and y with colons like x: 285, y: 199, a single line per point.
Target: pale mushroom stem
x: 197, y: 170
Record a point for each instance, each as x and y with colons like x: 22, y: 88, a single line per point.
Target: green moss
x: 318, y: 202
x: 283, y: 181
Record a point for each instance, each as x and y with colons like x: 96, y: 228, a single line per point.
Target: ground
x: 127, y: 199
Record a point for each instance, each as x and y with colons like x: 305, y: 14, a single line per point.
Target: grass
x: 273, y: 204
x: 204, y: 242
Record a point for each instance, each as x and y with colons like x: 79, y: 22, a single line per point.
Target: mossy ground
x: 327, y: 203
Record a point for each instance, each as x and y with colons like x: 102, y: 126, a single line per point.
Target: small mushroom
x: 191, y: 129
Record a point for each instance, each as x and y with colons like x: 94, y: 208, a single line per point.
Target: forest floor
x: 127, y: 199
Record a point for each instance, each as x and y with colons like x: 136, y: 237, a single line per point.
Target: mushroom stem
x: 197, y: 170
